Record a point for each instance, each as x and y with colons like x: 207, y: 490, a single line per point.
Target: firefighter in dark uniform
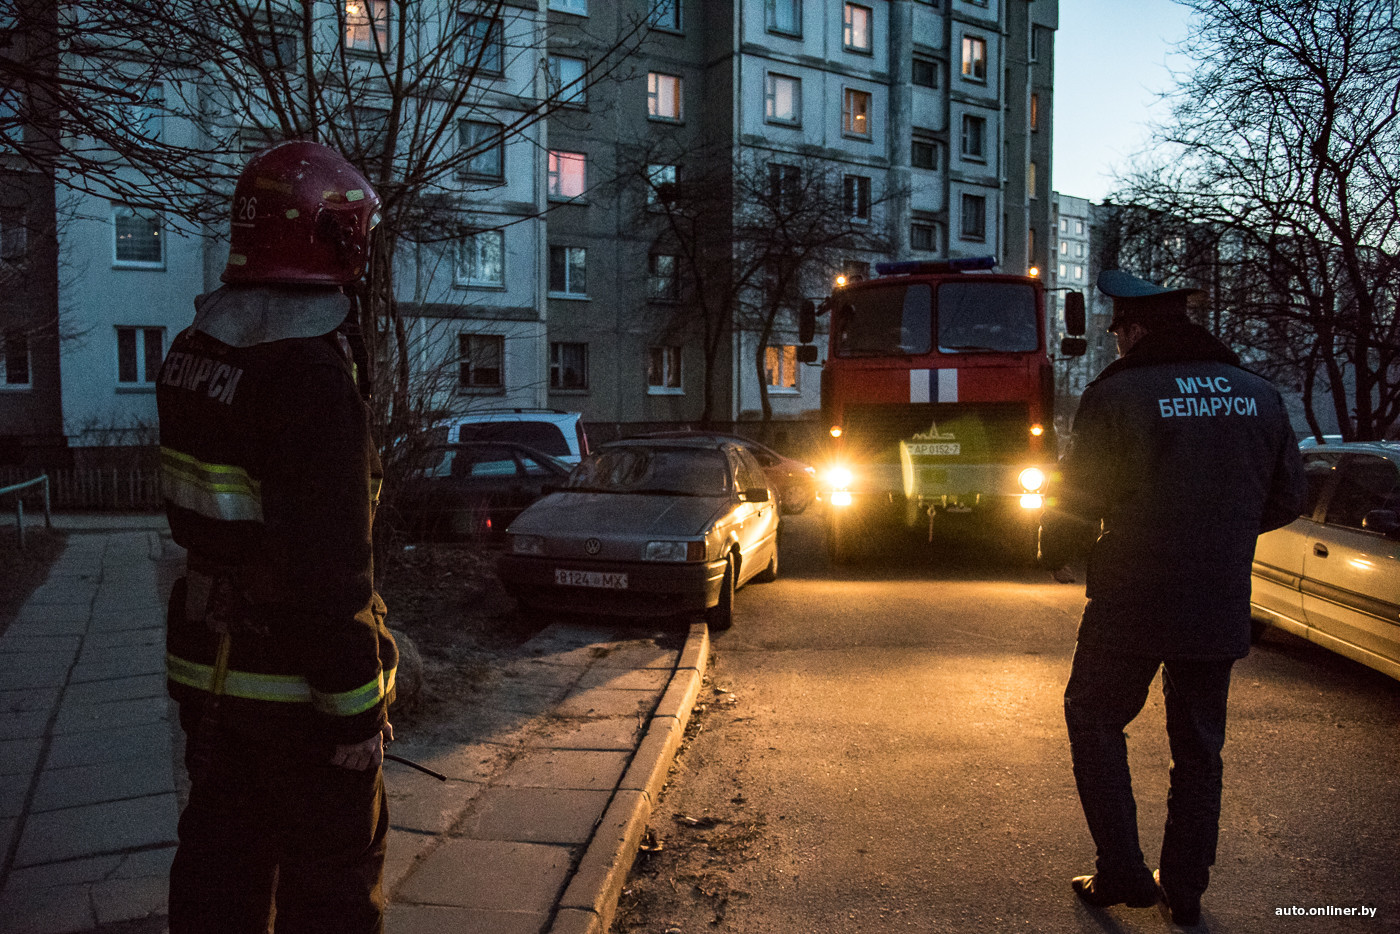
x: 277, y: 651
x: 1178, y: 460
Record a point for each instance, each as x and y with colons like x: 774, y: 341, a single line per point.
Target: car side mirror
x: 1073, y: 346
x: 759, y: 495
x: 1074, y: 313
x: 1384, y: 521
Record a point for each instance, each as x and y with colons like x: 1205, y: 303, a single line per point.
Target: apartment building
x: 556, y: 286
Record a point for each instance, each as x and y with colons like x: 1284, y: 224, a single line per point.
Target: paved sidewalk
x: 550, y: 781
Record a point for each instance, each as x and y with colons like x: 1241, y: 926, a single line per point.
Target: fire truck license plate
x: 590, y: 579
x: 935, y: 450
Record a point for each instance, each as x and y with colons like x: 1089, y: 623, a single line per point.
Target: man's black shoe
x: 1185, y: 907
x: 1096, y: 892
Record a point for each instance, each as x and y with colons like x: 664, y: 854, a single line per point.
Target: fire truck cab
x: 938, y: 398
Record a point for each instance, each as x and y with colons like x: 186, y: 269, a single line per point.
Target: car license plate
x: 606, y: 581
x: 935, y: 450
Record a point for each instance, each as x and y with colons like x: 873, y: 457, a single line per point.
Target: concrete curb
x: 590, y: 899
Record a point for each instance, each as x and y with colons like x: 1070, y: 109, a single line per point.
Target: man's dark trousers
x: 270, y: 818
x: 1107, y: 689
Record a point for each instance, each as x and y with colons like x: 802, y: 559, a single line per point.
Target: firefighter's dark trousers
x: 271, y: 821
x: 1106, y: 691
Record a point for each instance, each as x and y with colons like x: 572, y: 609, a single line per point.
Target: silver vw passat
x: 647, y: 528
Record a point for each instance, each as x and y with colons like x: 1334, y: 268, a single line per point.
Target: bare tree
x: 159, y: 103
x: 754, y: 233
x: 1280, y: 173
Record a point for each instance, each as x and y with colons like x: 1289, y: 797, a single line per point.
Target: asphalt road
x: 884, y: 750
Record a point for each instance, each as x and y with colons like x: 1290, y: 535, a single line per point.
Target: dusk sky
x: 1111, y: 61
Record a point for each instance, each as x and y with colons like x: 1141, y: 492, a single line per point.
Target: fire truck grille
x: 960, y: 433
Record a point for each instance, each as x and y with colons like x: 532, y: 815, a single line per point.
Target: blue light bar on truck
x: 915, y: 267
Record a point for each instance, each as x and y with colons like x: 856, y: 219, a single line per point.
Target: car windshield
x: 542, y: 436
x: 986, y: 316
x: 674, y: 471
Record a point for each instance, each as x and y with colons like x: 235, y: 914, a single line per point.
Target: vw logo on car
x: 592, y: 546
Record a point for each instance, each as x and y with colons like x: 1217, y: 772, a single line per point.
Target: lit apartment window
x: 857, y: 24
x: 663, y: 97
x: 974, y: 217
x: 482, y: 361
x: 783, y: 100
x: 974, y: 58
x: 1078, y: 272
x: 480, y: 44
x: 1035, y: 113
x: 576, y: 7
x: 924, y: 72
x: 1064, y: 271
x: 666, y: 14
x: 483, y: 145
x: 1064, y: 225
x: 658, y: 175
x: 923, y: 153
x: 1030, y: 181
x: 566, y: 173
x: 855, y: 113
x: 139, y: 354
x: 568, y: 366
x: 481, y: 259
x: 663, y: 277
x: 568, y: 268
x: 14, y: 362
x: 137, y: 240
x: 1064, y: 244
x: 367, y: 24
x: 664, y: 369
x: 923, y: 237
x: 780, y: 367
x: 1079, y: 228
x: 566, y: 79
x: 784, y: 16
x: 974, y: 138
x: 857, y: 197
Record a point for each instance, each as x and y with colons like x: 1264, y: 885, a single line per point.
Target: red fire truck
x: 938, y: 395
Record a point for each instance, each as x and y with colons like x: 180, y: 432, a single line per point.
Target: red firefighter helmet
x: 302, y: 215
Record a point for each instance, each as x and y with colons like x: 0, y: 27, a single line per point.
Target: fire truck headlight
x: 839, y: 477
x: 1037, y: 430
x: 841, y: 498
x: 1032, y: 501
x: 1031, y: 480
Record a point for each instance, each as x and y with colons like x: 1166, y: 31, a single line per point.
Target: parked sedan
x: 1332, y: 576
x: 648, y: 527
x: 793, y: 481
x: 472, y: 491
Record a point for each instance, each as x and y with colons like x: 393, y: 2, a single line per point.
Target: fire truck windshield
x: 885, y: 320
x: 986, y: 316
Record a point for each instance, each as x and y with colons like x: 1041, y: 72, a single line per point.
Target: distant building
x: 558, y: 298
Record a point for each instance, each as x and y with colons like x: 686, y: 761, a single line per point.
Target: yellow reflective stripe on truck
x: 217, y: 491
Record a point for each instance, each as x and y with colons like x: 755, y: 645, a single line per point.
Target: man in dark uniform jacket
x: 1179, y: 459
x: 277, y: 650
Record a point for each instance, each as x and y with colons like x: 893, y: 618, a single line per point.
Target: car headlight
x: 527, y: 544
x: 839, y: 477
x: 675, y: 551
x: 1031, y: 479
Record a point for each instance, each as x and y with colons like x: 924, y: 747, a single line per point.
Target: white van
x: 548, y: 431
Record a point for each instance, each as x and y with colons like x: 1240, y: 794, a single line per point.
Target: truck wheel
x: 836, y: 549
x: 721, y: 615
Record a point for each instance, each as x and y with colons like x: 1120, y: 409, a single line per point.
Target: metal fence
x: 80, y: 488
